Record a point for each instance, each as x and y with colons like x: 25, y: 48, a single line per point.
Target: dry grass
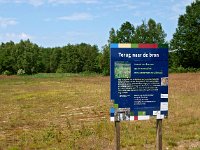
x: 73, y: 113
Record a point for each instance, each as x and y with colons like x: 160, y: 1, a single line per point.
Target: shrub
x: 106, y: 72
x: 8, y: 73
x: 59, y: 70
x: 20, y: 72
x: 181, y: 69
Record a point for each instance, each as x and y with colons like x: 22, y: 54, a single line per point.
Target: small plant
x: 8, y: 73
x: 105, y: 72
x: 13, y: 148
x: 59, y: 70
x: 180, y: 69
x: 20, y: 72
x: 172, y: 143
x: 49, y: 135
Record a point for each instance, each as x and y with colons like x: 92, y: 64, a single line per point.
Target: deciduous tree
x: 186, y: 39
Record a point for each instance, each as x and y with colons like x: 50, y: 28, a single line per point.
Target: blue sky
x: 51, y: 23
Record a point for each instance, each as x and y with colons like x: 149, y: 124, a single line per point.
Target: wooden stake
x: 159, y: 134
x: 117, y: 135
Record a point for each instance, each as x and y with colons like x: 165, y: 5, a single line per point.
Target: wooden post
x: 117, y: 135
x: 159, y: 134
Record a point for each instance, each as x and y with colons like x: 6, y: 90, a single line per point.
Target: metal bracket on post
x: 159, y: 134
x: 117, y: 135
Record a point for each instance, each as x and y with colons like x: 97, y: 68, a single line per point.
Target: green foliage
x: 172, y: 143
x: 23, y: 55
x: 26, y: 57
x: 78, y: 58
x: 13, y: 148
x: 181, y: 69
x: 150, y: 32
x: 59, y: 70
x: 104, y: 61
x: 20, y: 72
x: 126, y: 33
x: 7, y: 73
x: 186, y: 39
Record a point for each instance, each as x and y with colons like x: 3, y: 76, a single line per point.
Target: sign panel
x: 139, y: 81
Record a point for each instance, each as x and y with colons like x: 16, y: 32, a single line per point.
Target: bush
x: 60, y: 70
x: 106, y: 72
x: 20, y: 72
x: 8, y: 73
x: 192, y: 69
x: 181, y: 69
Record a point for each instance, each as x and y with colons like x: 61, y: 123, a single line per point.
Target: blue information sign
x: 139, y: 81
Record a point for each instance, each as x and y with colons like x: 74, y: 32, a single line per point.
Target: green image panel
x: 122, y: 69
x: 131, y: 113
x: 116, y: 106
x: 141, y: 113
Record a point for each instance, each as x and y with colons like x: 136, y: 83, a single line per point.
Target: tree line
x: 26, y: 57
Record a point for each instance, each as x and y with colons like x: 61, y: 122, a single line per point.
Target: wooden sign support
x: 117, y: 135
x: 159, y: 134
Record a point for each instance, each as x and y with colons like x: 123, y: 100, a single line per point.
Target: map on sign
x: 139, y: 81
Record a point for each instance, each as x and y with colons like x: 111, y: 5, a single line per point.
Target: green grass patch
x: 60, y: 75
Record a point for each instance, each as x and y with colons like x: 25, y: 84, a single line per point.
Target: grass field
x: 72, y: 112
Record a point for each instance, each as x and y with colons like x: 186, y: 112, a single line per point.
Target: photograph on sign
x: 122, y: 114
x: 164, y: 81
x: 122, y: 69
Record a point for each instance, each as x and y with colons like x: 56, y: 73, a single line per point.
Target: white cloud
x: 54, y: 2
x: 73, y: 1
x: 31, y: 2
x: 4, y: 22
x: 77, y: 17
x: 16, y: 36
x: 24, y: 36
x: 119, y: 6
x: 36, y: 2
